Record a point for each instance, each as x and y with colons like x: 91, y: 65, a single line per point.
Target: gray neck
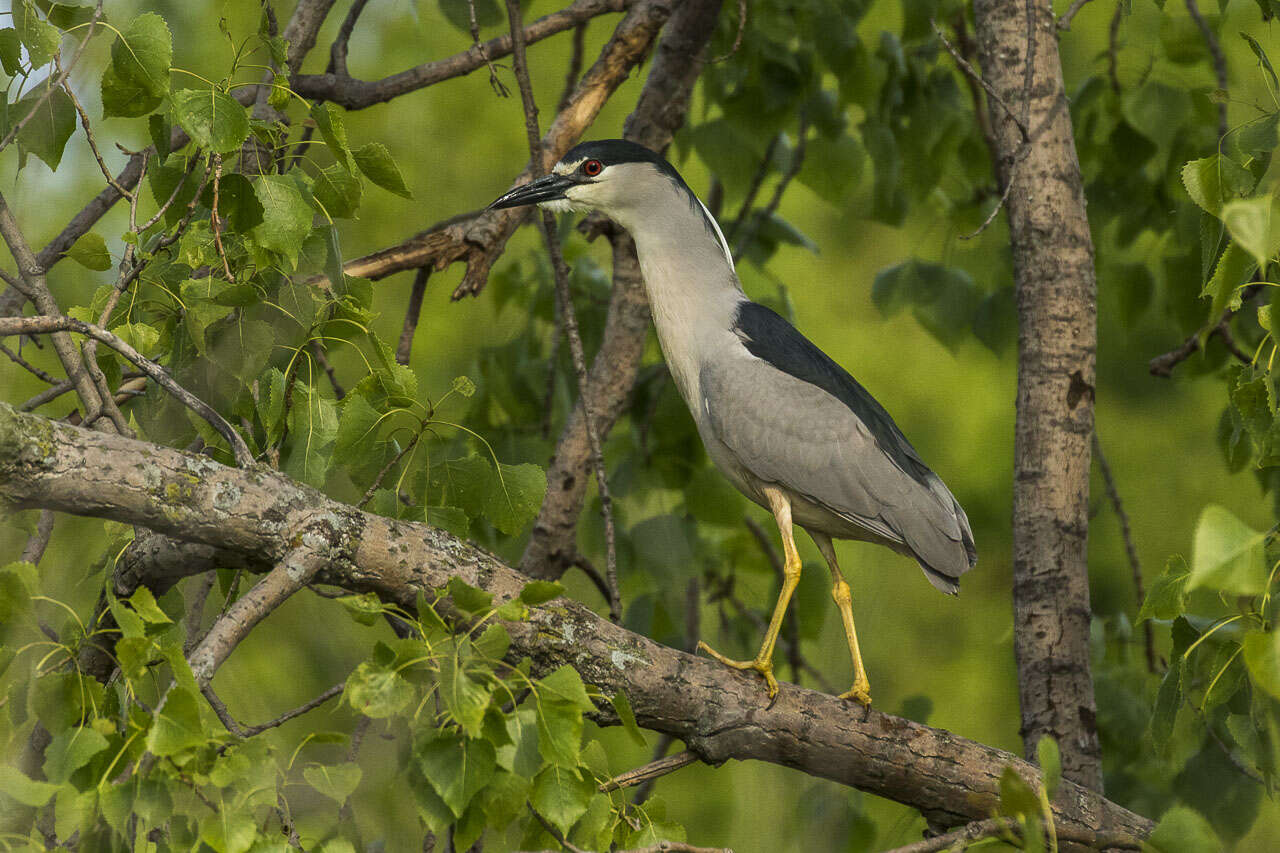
x: 693, y: 290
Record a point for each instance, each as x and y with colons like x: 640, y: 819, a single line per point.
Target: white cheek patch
x: 563, y: 168
x: 563, y: 205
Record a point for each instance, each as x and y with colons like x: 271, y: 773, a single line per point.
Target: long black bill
x: 547, y: 188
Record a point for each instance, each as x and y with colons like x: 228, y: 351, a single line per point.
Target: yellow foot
x: 764, y: 667
x: 860, y: 693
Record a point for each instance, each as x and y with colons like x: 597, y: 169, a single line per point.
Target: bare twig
x: 46, y: 396
x: 753, y: 189
x: 737, y: 37
x: 356, y: 94
x: 338, y: 52
x: 214, y: 223
x: 495, y: 83
x: 575, y: 65
x: 322, y: 359
x: 39, y: 541
x: 1219, y: 61
x: 314, y: 546
x: 1139, y: 590
x: 652, y: 770
x: 45, y: 325
x: 1064, y: 22
x: 195, y: 611
x: 1163, y: 364
x: 561, y: 270
x: 973, y: 75
x: 88, y: 131
x: 391, y: 463
x: 593, y: 574
x: 29, y: 367
x: 1113, y: 46
x: 999, y: 827
x: 793, y: 169
x: 412, y: 314
x: 241, y: 731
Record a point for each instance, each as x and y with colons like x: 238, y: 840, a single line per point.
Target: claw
x: 764, y: 667
x: 858, y: 693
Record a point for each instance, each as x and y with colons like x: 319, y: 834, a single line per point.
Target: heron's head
x: 612, y: 176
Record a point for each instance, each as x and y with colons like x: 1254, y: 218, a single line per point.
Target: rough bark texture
x: 660, y: 111
x: 721, y: 714
x: 1057, y: 336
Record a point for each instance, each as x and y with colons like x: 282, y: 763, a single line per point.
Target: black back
x: 771, y: 338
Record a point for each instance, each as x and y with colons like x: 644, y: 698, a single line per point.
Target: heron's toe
x: 860, y: 693
x: 764, y: 667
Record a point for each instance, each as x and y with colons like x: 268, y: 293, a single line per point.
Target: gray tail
x: 944, y: 581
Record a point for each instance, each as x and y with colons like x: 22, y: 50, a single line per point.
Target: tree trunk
x: 1057, y: 338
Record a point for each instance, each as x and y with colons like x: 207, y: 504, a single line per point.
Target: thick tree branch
x: 340, y: 88
x: 720, y: 714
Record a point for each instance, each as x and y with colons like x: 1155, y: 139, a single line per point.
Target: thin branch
x: 245, y: 732
x: 39, y: 541
x: 553, y: 832
x: 30, y: 368
x: 46, y: 396
x: 575, y: 65
x: 45, y: 325
x: 318, y: 352
x: 753, y: 189
x: 338, y: 51
x: 88, y: 132
x: 593, y: 574
x: 1219, y: 61
x: 1163, y: 364
x: 1064, y: 22
x: 412, y: 315
x: 652, y: 770
x: 195, y: 611
x: 1135, y: 568
x: 214, y: 222
x: 775, y: 201
x: 561, y: 270
x: 737, y: 37
x: 356, y: 94
x: 973, y: 75
x: 499, y: 88
x: 312, y: 549
x: 1113, y: 46
x: 391, y: 463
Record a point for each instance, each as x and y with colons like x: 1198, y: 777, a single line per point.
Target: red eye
x: 591, y: 168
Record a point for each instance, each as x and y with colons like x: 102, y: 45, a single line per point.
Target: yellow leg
x: 763, y: 662
x: 861, y: 690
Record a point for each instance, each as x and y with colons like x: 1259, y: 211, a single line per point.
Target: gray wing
x: 790, y: 415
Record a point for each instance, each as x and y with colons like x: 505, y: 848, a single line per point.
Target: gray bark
x: 720, y: 714
x: 1057, y: 338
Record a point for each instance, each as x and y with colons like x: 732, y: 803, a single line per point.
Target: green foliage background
x: 901, y: 176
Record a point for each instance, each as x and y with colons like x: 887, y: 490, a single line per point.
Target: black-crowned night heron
x: 787, y: 425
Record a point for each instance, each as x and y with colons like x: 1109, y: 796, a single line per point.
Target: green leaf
x: 832, y: 167
x: 313, y: 427
x: 450, y: 518
x: 494, y: 642
x: 39, y: 37
x: 51, y: 124
x: 1016, y: 796
x: 1183, y: 830
x: 144, y: 604
x: 143, y: 54
x: 565, y: 685
x: 333, y: 131
x: 177, y: 725
x: 17, y: 582
x: 1213, y: 181
x: 213, y: 119
x: 1227, y: 555
x: 1263, y: 61
x: 286, y: 217
x: 237, y: 202
x: 457, y: 768
x: 376, y: 164
x: 377, y: 691
x: 1167, y: 597
x: 1262, y: 657
x: 1050, y: 761
x: 469, y: 598
x: 515, y: 495
x: 1254, y: 226
x: 561, y: 795
x: 464, y: 698
x: 125, y: 98
x: 91, y: 251
x: 559, y: 731
x: 69, y: 751
x: 357, y: 428
x: 337, y: 192
x: 1233, y: 269
x: 10, y: 51
x: 18, y: 786
x: 335, y: 781
x: 1168, y: 703
x: 539, y: 592
x: 627, y: 717
x: 228, y: 831
x: 366, y: 609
